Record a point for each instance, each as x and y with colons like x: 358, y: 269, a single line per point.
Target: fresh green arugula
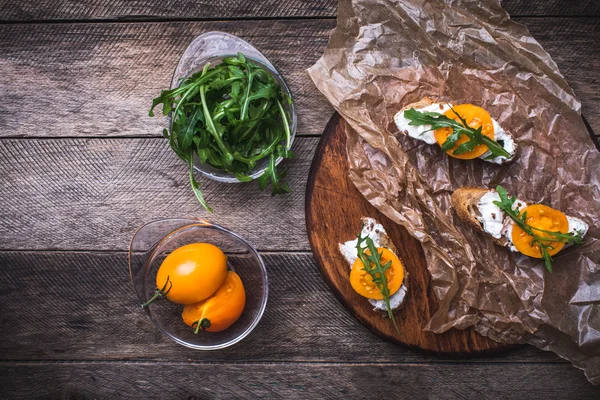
x: 506, y: 204
x: 476, y: 138
x: 230, y: 116
x: 372, y: 265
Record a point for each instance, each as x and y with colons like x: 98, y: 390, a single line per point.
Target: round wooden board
x: 333, y: 211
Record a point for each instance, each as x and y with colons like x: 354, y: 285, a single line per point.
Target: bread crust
x: 465, y: 202
x: 424, y: 102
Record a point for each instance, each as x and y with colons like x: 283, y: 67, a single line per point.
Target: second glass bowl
x: 212, y: 47
x: 154, y: 241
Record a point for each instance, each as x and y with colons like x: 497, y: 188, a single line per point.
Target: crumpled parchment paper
x: 386, y: 54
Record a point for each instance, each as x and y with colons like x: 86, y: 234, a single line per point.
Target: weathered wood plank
x: 580, y: 66
x: 79, y: 194
x: 99, y: 79
x: 81, y: 306
x: 294, y: 381
x: 540, y: 8
x: 16, y: 10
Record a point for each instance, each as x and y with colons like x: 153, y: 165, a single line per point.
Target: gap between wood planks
x: 101, y: 251
x: 146, y: 19
x: 470, y: 362
x: 298, y: 135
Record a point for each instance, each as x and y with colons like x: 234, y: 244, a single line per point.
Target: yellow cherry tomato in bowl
x: 192, y: 273
x: 221, y: 310
x: 475, y: 117
x: 362, y: 282
x: 541, y: 217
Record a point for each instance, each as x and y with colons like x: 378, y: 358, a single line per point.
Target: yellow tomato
x: 475, y: 117
x: 541, y: 217
x: 221, y: 310
x: 362, y: 282
x: 192, y: 273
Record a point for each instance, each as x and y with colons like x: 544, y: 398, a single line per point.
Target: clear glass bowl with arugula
x: 231, y: 114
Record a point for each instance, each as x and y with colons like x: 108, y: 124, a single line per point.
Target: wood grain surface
x: 82, y: 166
x: 189, y: 380
x: 98, y: 80
x: 93, y: 194
x: 333, y: 211
x: 48, y: 10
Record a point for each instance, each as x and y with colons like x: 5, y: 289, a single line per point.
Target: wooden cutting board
x: 333, y: 211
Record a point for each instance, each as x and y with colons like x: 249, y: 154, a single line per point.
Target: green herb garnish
x: 476, y: 138
x: 506, y: 204
x: 372, y: 265
x: 230, y: 116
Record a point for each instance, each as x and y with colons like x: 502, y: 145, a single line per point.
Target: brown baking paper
x: 384, y: 55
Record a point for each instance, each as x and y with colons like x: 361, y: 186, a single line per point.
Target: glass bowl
x: 212, y: 47
x: 154, y: 241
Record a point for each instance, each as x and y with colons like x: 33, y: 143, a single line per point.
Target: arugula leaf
x: 230, y: 116
x: 451, y: 140
x: 187, y: 136
x: 236, y: 71
x: 439, y: 121
x: 271, y: 175
x: 507, y: 204
x: 263, y: 92
x: 470, y: 145
x: 372, y: 265
x: 242, y: 177
x: 196, y: 187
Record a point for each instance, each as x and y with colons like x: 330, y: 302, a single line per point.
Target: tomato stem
x: 203, y: 323
x: 159, y: 292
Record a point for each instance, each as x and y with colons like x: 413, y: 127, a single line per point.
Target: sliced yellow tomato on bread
x: 475, y: 117
x: 362, y: 282
x: 541, y: 217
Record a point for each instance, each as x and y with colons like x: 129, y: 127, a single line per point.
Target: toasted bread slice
x: 465, y: 202
x: 426, y: 101
x: 468, y: 203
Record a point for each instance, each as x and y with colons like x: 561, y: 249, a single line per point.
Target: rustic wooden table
x: 82, y: 166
